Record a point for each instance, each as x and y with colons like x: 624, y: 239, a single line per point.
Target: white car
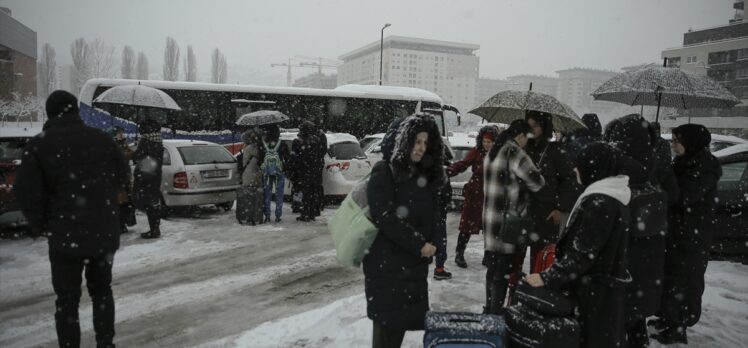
x: 369, y: 140
x: 198, y: 173
x: 719, y: 141
x: 345, y: 164
x: 461, y: 145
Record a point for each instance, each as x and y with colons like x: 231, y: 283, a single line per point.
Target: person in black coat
x: 549, y: 206
x: 690, y: 232
x: 591, y: 255
x: 403, y: 199
x: 148, y: 159
x: 306, y: 157
x: 67, y: 187
x: 633, y: 135
x: 577, y: 140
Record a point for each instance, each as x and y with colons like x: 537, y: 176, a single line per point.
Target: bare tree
x: 47, y: 70
x: 219, y: 68
x: 171, y: 60
x: 141, y: 67
x: 102, y: 59
x: 80, y: 53
x: 128, y: 63
x: 190, y: 65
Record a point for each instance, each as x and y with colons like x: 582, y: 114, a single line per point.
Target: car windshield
x: 346, y: 151
x: 201, y: 154
x: 11, y: 149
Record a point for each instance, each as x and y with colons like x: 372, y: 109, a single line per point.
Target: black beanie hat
x: 61, y: 102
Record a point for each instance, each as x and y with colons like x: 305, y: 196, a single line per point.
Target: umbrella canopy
x: 507, y: 106
x: 261, y: 117
x: 137, y: 95
x: 669, y: 87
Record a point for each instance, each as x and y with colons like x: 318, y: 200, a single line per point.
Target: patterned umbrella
x: 261, y: 117
x: 507, y: 106
x: 669, y: 87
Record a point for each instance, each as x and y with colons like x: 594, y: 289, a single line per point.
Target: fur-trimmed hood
x: 431, y: 164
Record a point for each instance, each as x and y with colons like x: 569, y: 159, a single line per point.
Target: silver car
x: 198, y: 173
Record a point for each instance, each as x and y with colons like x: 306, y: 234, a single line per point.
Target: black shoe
x: 278, y: 219
x: 124, y: 230
x: 267, y: 219
x: 657, y: 324
x: 151, y: 234
x: 460, y: 261
x: 671, y: 335
x: 442, y: 275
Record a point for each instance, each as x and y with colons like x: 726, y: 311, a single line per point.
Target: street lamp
x: 381, y: 52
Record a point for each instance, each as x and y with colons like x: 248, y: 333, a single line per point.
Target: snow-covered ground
x: 209, y: 282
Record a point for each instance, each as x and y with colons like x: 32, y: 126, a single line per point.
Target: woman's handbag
x: 351, y: 227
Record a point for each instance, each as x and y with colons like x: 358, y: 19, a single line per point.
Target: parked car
x: 345, y: 164
x: 719, y: 141
x: 460, y: 146
x: 374, y: 151
x: 731, y: 229
x: 13, y: 139
x: 198, y: 173
x: 368, y: 140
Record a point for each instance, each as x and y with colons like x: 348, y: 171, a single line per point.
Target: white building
x: 449, y: 69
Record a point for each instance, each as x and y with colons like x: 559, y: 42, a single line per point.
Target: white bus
x: 210, y: 110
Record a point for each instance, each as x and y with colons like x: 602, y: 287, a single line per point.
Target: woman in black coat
x: 403, y: 198
x: 690, y: 232
x: 148, y: 158
x: 591, y: 254
x: 305, y: 157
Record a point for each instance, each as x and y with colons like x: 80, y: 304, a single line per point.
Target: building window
x: 690, y: 59
x: 741, y: 74
x: 673, y: 62
x: 719, y: 58
x: 743, y: 53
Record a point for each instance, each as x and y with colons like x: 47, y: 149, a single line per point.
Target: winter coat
x: 577, y: 140
x: 124, y: 195
x: 560, y: 191
x: 662, y: 172
x: 251, y: 173
x: 306, y: 156
x: 148, y: 158
x: 689, y: 240
x: 498, y: 187
x: 471, y: 219
x: 67, y: 186
x: 404, y: 205
x: 591, y: 262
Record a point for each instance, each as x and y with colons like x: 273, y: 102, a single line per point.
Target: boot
x: 151, y: 234
x: 672, y: 335
x: 460, y: 260
x: 441, y: 274
x: 658, y: 324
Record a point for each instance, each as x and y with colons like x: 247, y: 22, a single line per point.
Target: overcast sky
x: 516, y: 36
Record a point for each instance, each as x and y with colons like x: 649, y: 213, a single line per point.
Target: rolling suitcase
x: 527, y: 328
x: 249, y: 201
x: 469, y: 330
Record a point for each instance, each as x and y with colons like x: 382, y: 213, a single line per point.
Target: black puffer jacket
x: 67, y: 185
x: 148, y: 159
x: 404, y: 204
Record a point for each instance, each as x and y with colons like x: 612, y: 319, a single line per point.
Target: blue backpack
x: 272, y: 165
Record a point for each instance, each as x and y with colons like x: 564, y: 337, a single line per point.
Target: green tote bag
x: 351, y: 227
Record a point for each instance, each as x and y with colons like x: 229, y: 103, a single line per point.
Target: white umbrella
x: 137, y: 95
x: 507, y: 106
x: 261, y: 117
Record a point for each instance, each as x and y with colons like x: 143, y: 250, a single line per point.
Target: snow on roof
x: 332, y: 138
x: 20, y: 130
x: 728, y: 151
x: 347, y: 91
x: 374, y: 136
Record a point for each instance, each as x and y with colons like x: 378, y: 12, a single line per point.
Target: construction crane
x: 321, y: 63
x: 291, y: 64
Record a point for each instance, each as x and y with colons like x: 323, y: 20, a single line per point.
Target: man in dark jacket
x: 306, y: 157
x: 148, y: 158
x: 555, y: 200
x: 690, y: 232
x: 67, y: 186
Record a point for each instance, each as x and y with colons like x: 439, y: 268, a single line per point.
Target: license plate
x: 456, y: 192
x: 210, y: 174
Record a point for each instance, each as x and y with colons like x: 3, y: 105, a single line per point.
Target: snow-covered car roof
x: 375, y: 136
x: 332, y: 138
x: 19, y: 131
x: 729, y: 151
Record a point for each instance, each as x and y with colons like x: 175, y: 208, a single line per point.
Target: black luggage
x: 249, y: 201
x: 456, y: 330
x: 527, y: 328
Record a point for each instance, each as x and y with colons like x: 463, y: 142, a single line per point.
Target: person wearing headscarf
x: 591, y: 260
x: 690, y: 233
x: 471, y: 219
x: 555, y: 200
x: 510, y: 177
x: 404, y: 205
